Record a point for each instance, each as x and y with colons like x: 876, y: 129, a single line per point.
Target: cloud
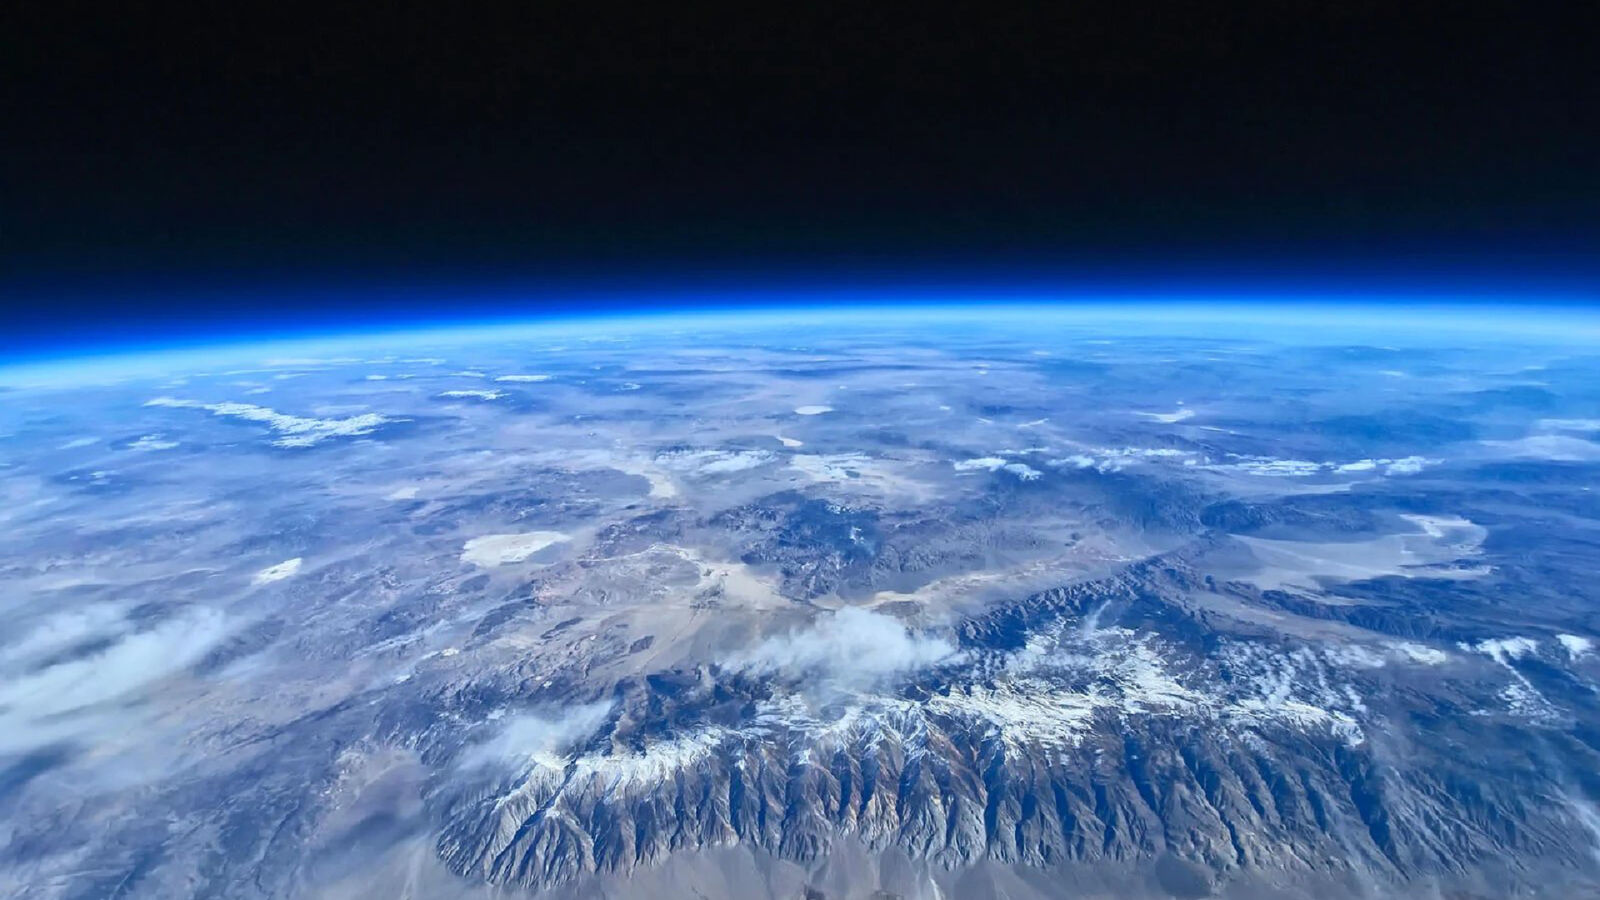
x: 1169, y: 418
x: 1115, y: 459
x: 1580, y: 426
x: 1409, y: 465
x: 707, y: 463
x: 1301, y: 468
x: 295, y: 431
x: 1575, y: 645
x: 1503, y: 650
x: 35, y: 707
x: 996, y: 464
x: 1553, y: 447
x: 151, y: 442
x: 848, y: 648
x: 58, y: 632
x: 982, y: 463
x: 548, y: 738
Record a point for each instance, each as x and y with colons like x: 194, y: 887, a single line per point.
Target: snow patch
x: 278, y: 572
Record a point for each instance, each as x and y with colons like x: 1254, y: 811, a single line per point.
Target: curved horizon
x: 1546, y: 318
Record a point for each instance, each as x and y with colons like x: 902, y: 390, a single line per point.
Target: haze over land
x: 918, y: 604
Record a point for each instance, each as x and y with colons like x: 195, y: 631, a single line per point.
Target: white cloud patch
x: 34, y: 706
x: 850, y: 647
x: 980, y: 464
x: 1419, y: 653
x: 1578, y: 426
x: 814, y: 410
x: 1504, y: 650
x: 997, y: 464
x: 58, y: 632
x: 837, y: 467
x: 1409, y: 465
x: 150, y: 442
x: 1552, y: 447
x: 1520, y: 696
x: 1169, y: 418
x: 1575, y: 645
x: 1274, y: 467
x: 472, y: 395
x: 503, y: 549
x: 522, y: 379
x: 706, y: 463
x: 549, y: 738
x: 293, y: 431
x: 1115, y: 459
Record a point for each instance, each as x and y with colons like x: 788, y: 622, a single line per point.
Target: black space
x: 234, y: 142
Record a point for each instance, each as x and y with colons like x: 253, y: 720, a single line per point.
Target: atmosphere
x: 65, y: 317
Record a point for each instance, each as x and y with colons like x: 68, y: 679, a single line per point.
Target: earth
x: 927, y: 603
